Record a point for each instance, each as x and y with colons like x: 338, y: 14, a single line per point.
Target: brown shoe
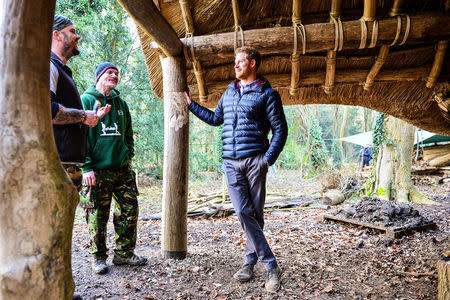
x: 245, y: 273
x: 273, y: 281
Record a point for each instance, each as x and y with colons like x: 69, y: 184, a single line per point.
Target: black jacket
x: 70, y: 139
x: 247, y: 120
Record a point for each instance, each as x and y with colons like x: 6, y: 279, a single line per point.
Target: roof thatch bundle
x: 389, y: 56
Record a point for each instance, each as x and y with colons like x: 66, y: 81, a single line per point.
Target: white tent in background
x: 423, y: 136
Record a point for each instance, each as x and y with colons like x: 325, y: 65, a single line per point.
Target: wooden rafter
x: 296, y: 21
x: 437, y: 64
x: 196, y: 65
x: 335, y: 13
x: 320, y: 36
x: 147, y: 16
x: 381, y: 58
x: 370, y: 7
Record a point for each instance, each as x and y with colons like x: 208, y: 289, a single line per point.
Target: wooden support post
x: 437, y: 64
x: 38, y: 200
x: 176, y: 157
x: 381, y: 58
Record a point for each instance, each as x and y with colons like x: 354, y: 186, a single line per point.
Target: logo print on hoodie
x: 108, y: 131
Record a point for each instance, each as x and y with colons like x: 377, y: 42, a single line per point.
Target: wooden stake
x: 176, y: 155
x: 437, y: 64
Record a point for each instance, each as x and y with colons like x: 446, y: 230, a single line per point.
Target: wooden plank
x: 395, y: 232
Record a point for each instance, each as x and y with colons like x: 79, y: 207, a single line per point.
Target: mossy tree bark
x: 393, y: 167
x: 38, y: 201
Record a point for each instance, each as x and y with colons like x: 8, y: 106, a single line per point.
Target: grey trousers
x: 246, y: 182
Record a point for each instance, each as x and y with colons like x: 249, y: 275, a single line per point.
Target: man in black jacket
x: 68, y: 117
x: 248, y: 110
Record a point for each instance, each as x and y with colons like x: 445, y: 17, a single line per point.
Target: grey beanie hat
x: 61, y: 22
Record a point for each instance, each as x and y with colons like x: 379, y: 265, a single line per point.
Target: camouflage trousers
x: 119, y: 185
x: 74, y: 174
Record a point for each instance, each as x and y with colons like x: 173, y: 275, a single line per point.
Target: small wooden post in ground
x: 176, y: 155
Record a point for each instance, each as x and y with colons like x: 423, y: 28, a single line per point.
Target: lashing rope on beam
x: 339, y: 33
x: 374, y: 37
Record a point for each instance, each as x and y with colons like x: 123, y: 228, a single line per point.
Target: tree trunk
x: 342, y: 132
x: 393, y: 169
x: 443, y: 268
x: 38, y: 200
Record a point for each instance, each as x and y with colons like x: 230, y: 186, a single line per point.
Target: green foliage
x: 381, y: 192
x: 319, y: 152
x: 205, y: 148
x: 380, y: 136
x: 293, y: 155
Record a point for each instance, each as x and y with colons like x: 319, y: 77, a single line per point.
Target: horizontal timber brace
x: 348, y: 76
x: 321, y: 36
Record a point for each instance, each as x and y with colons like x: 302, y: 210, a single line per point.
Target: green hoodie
x: 110, y: 143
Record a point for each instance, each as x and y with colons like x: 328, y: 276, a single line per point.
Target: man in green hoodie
x: 107, y: 173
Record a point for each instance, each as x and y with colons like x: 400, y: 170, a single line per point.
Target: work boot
x: 133, y: 260
x: 245, y: 273
x: 273, y: 280
x: 99, y: 266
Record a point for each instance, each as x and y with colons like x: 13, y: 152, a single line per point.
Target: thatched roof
x: 399, y: 87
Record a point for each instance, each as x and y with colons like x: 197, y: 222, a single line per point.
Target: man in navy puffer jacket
x: 248, y: 110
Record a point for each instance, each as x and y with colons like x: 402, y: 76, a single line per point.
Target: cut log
x: 333, y: 197
x: 443, y: 267
x: 440, y: 161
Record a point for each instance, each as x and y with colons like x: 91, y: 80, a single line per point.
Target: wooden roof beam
x: 147, y: 16
x: 321, y: 37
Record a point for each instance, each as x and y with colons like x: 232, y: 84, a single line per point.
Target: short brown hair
x: 250, y: 53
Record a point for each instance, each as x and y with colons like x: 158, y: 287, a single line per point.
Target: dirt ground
x: 320, y: 260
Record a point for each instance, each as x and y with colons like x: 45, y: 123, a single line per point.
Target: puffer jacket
x: 247, y: 120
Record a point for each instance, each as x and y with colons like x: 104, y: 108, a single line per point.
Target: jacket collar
x: 258, y: 85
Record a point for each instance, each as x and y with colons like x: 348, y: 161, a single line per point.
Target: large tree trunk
x: 393, y: 169
x: 342, y: 132
x: 38, y: 200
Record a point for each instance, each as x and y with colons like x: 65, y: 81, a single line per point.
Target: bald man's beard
x: 69, y: 44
